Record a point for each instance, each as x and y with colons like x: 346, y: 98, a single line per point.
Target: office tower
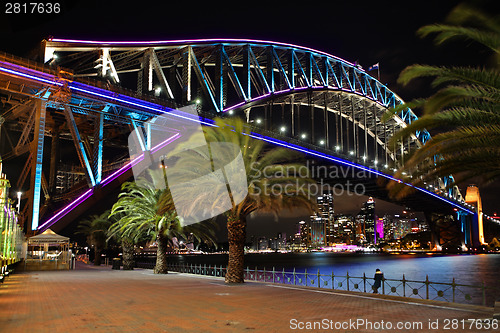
x: 322, y: 221
x: 345, y: 229
x: 305, y: 234
x: 366, y: 222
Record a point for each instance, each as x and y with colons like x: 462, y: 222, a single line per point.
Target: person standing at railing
x: 379, y: 277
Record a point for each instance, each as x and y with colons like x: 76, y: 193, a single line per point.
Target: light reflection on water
x: 466, y: 269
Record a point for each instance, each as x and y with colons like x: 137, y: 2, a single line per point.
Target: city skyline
x: 266, y: 225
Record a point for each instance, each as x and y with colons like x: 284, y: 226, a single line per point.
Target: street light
x: 19, y: 201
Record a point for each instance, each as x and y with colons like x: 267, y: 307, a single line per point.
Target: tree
x: 270, y: 173
x: 141, y: 215
x: 127, y: 242
x: 464, y: 111
x: 138, y: 216
x: 95, y: 228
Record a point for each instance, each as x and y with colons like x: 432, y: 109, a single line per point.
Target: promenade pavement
x: 98, y: 299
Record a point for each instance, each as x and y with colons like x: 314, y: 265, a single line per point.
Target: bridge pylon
x: 472, y: 224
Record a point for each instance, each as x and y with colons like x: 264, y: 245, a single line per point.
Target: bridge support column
x: 186, y: 75
x: 80, y: 148
x: 472, y: 197
x: 341, y: 125
x: 470, y: 228
x: 54, y: 153
x: 355, y: 146
x: 37, y: 161
x: 325, y: 121
x: 97, y: 147
x: 311, y: 110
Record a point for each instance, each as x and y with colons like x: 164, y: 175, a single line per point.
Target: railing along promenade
x: 452, y: 291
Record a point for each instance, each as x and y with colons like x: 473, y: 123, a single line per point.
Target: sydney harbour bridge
x: 67, y: 118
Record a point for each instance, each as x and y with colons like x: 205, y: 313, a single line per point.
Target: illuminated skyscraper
x: 345, y: 230
x: 305, y: 234
x: 366, y: 220
x: 322, y: 221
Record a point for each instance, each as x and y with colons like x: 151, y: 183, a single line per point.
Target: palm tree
x: 464, y: 111
x: 271, y: 179
x: 140, y: 215
x: 95, y: 228
x: 127, y: 242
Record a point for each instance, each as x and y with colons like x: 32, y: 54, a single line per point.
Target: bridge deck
x: 91, y: 299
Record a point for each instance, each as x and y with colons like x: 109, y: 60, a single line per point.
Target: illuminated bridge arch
x: 285, y: 90
x: 288, y: 88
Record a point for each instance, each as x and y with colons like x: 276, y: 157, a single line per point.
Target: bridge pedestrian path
x: 99, y: 299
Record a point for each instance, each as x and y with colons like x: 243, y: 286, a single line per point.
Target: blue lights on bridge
x: 353, y: 81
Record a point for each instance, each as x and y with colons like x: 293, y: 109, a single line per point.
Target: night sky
x: 364, y: 31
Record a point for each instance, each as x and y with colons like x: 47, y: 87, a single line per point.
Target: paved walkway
x: 99, y: 299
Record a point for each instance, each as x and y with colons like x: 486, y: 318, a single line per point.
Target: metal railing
x: 479, y: 294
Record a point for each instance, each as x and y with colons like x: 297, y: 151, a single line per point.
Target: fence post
x: 274, y: 272
x: 306, y: 276
x: 283, y: 276
x: 383, y: 285
x: 427, y: 288
x: 319, y: 285
x: 404, y: 286
x: 294, y: 276
x: 264, y: 273
x: 248, y: 273
x: 364, y: 282
x: 347, y: 278
x: 255, y: 275
x: 453, y: 289
x: 333, y: 280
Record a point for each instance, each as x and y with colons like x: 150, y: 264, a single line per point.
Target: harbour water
x: 465, y: 268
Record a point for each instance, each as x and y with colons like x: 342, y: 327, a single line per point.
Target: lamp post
x: 19, y: 201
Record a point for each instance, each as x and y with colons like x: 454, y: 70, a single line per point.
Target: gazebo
x: 48, y: 251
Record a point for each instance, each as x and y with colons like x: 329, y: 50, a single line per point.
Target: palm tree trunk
x: 97, y: 256
x: 128, y: 254
x: 161, y: 255
x: 236, y: 230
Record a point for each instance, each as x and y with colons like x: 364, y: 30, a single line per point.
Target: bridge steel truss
x: 287, y: 88
x: 42, y: 102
